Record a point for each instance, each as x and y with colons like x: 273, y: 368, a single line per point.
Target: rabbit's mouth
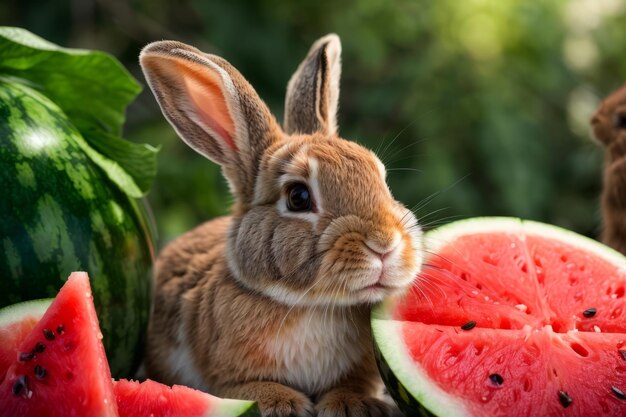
x: 377, y: 292
x: 376, y: 287
x: 374, y: 293
x: 379, y: 288
x: 377, y: 274
x: 389, y: 280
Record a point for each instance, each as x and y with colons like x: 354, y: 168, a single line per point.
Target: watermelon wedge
x: 61, y: 369
x: 508, y: 318
x: 52, y: 363
x: 151, y: 399
x: 16, y: 322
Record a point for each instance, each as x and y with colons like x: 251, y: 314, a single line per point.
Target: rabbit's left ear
x: 213, y: 109
x: 313, y: 91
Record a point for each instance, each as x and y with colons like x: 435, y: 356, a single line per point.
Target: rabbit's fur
x: 272, y: 304
x: 609, y: 128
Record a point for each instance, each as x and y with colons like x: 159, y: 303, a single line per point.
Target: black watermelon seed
x: 590, y: 312
x: 565, y: 399
x: 48, y: 334
x: 623, y: 353
x: 40, y: 372
x: 26, y: 356
x: 496, y: 379
x: 39, y: 347
x: 618, y: 393
x: 20, y: 384
x: 469, y: 325
x: 60, y: 329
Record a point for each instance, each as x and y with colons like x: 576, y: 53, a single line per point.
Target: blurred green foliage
x: 477, y: 107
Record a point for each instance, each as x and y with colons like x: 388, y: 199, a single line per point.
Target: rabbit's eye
x: 298, y: 197
x: 620, y: 121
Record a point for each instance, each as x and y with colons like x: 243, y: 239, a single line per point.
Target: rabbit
x: 272, y: 303
x: 609, y: 128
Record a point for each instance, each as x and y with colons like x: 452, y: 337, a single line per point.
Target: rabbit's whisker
x: 404, y: 169
x: 429, y: 284
x: 452, y: 278
x: 423, y: 294
x: 404, y: 129
x: 443, y: 220
x: 389, y: 144
x: 398, y: 151
x: 424, y: 202
x: 432, y: 213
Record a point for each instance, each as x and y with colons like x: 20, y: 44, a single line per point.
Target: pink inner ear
x: 205, y: 90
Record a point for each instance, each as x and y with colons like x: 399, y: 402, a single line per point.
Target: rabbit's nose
x: 383, y: 245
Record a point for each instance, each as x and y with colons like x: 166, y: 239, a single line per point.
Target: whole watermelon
x: 60, y: 213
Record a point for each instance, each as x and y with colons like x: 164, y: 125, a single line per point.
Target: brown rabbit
x: 272, y: 303
x: 609, y: 128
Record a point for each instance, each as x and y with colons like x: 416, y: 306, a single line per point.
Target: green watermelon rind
x: 61, y: 213
x: 232, y: 408
x: 408, y: 383
x: 16, y: 312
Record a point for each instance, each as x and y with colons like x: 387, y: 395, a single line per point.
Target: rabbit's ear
x: 212, y: 107
x: 313, y: 91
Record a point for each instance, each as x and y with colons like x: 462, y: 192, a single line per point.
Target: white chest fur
x: 315, y: 353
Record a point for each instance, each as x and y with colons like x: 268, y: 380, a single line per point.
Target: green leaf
x: 137, y: 160
x: 93, y: 89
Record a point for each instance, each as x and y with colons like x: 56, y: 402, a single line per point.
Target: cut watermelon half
x: 508, y: 318
x: 60, y: 368
x: 151, y: 399
x: 16, y: 322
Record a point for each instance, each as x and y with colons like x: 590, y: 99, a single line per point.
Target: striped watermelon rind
x: 415, y: 393
x: 93, y: 89
x: 407, y: 382
x: 59, y: 213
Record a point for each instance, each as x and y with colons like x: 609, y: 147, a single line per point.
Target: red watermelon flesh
x: 151, y: 399
x: 16, y: 322
x: 61, y: 369
x: 550, y: 323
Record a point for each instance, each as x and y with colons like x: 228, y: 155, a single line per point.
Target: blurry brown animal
x: 609, y: 128
x: 272, y: 303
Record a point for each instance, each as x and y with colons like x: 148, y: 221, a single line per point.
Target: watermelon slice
x: 61, y: 368
x: 52, y: 363
x: 16, y: 322
x: 151, y: 399
x: 509, y: 318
